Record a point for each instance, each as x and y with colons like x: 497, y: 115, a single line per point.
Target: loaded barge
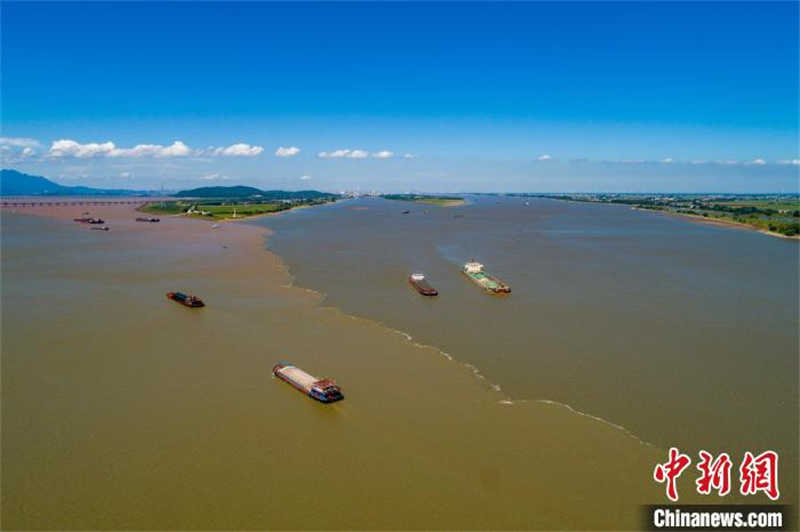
x: 187, y: 301
x: 474, y: 271
x: 323, y: 390
x: 421, y: 285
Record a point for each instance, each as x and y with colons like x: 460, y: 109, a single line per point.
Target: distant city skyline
x: 433, y: 96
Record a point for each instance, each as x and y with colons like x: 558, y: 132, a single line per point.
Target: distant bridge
x: 74, y: 201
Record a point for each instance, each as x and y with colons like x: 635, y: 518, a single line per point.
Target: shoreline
x: 720, y: 222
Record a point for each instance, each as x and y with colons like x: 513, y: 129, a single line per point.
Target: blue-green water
x: 684, y: 333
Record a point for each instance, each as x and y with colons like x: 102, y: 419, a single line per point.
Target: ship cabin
x: 473, y: 267
x: 326, y: 391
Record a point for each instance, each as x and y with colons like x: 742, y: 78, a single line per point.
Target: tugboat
x: 421, y: 285
x: 474, y: 272
x: 323, y: 390
x: 187, y: 301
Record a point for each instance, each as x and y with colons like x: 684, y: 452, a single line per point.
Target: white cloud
x: 699, y: 161
x: 176, y: 149
x: 341, y: 154
x: 305, y: 177
x: 338, y: 154
x: 408, y: 156
x: 667, y: 160
x: 125, y: 175
x: 543, y: 158
x: 633, y: 161
x: 792, y: 162
x: 70, y: 148
x: 385, y: 154
x: 213, y: 177
x: 28, y: 151
x: 287, y: 152
x: 18, y: 142
x: 239, y: 150
x: 758, y: 162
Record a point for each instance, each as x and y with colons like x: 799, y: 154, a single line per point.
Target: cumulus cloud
x: 385, y: 154
x: 19, y: 142
x: 176, y: 149
x: 213, y: 177
x: 287, y: 152
x: 305, y: 177
x: 70, y: 148
x: 342, y: 154
x: 239, y: 150
x: 408, y: 156
x: 792, y: 162
x: 543, y: 158
x: 27, y: 151
x: 667, y: 160
x: 758, y: 162
x: 125, y: 175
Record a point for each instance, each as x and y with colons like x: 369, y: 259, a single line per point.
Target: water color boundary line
x: 472, y: 368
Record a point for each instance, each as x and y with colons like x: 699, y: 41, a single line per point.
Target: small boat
x: 421, y: 285
x: 186, y: 300
x: 100, y: 228
x: 406, y: 212
x: 474, y: 272
x: 88, y: 220
x: 323, y: 390
x: 215, y: 226
x: 149, y: 220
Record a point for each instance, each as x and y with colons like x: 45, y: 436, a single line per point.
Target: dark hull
x: 423, y: 287
x: 185, y: 301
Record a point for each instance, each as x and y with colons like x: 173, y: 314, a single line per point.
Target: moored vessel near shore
x: 150, y: 220
x: 323, y: 390
x: 186, y: 300
x: 421, y: 285
x: 474, y: 271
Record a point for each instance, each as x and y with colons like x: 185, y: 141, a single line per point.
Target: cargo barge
x: 474, y: 271
x: 323, y: 390
x: 421, y: 285
x: 191, y: 301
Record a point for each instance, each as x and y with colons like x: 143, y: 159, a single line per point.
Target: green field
x: 441, y: 201
x: 217, y: 210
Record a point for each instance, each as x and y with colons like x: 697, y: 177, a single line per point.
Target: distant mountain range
x: 242, y: 192
x: 13, y: 183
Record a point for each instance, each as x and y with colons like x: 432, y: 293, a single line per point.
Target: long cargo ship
x: 323, y: 390
x: 474, y: 271
x: 421, y: 285
x: 187, y: 301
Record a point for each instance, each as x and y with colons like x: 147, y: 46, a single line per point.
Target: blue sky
x: 395, y: 96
